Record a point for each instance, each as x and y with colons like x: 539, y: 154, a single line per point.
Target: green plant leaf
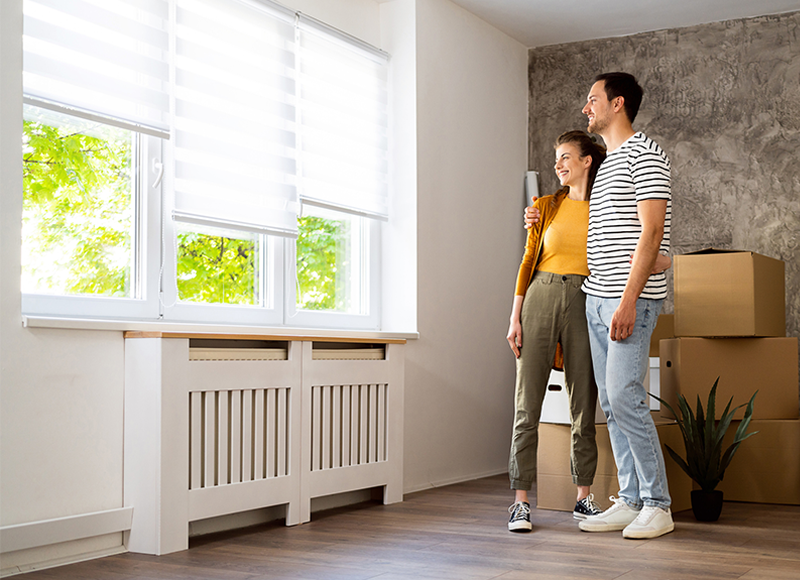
x: 739, y: 436
x: 703, y: 438
x: 681, y: 463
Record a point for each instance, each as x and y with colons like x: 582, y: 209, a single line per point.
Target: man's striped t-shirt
x: 637, y: 170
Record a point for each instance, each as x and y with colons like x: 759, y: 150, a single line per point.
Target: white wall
x: 399, y: 242
x: 61, y: 391
x: 471, y: 154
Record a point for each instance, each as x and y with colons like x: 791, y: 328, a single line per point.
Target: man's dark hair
x: 620, y: 84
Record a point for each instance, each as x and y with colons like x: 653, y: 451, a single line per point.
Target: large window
x: 217, y: 161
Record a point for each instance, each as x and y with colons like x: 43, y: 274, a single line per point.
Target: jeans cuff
x: 658, y: 504
x: 633, y: 505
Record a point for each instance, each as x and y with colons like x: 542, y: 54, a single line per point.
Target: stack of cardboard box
x: 730, y: 323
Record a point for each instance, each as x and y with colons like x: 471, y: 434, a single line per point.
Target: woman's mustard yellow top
x: 564, y: 248
x: 549, y: 206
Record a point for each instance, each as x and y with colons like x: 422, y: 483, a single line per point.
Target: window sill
x: 286, y: 333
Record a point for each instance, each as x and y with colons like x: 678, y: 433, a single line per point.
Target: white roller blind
x: 234, y: 119
x: 106, y: 58
x: 343, y: 132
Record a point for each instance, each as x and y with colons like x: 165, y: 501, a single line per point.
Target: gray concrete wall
x: 723, y: 100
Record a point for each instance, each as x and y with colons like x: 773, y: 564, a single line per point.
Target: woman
x: 550, y: 306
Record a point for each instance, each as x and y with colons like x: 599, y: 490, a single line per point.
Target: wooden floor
x: 459, y: 532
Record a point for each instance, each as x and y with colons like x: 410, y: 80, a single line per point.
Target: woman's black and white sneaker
x: 585, y: 508
x: 520, y: 520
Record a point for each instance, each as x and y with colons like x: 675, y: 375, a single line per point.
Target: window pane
x: 217, y: 266
x: 331, y: 258
x: 79, y: 206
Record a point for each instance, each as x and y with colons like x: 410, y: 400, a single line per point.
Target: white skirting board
x: 57, y: 530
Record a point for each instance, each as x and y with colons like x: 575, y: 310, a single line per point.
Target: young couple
x: 589, y: 291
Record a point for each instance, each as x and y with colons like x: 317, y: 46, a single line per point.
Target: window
x: 79, y: 207
x: 218, y: 161
x: 330, y: 261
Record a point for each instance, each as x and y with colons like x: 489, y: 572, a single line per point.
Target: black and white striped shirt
x: 637, y: 170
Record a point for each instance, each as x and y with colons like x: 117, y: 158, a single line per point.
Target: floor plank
x: 459, y: 532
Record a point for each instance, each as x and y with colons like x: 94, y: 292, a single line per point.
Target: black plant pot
x: 707, y: 505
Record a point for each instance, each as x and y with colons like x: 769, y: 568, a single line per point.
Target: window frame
x: 146, y: 244
x: 370, y: 320
x: 269, y: 313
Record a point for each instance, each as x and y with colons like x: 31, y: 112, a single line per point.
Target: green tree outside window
x: 78, y: 210
x: 79, y: 218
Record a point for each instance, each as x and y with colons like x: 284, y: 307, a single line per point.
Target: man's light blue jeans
x: 620, y: 368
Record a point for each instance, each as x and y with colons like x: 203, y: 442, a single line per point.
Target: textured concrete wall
x: 723, y: 100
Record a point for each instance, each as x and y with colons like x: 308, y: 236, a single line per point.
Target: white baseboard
x: 32, y: 559
x: 58, y: 530
x: 454, y: 480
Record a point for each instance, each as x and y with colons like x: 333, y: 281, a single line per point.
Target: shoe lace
x: 646, y: 514
x: 617, y: 501
x: 519, y: 510
x: 591, y: 504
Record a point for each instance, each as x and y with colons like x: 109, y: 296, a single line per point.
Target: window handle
x: 158, y: 167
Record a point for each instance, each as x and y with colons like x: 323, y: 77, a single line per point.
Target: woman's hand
x: 662, y: 263
x: 515, y: 336
x: 531, y: 215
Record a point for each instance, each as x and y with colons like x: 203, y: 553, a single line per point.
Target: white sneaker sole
x: 646, y: 534
x: 520, y: 527
x: 598, y: 524
x: 590, y: 526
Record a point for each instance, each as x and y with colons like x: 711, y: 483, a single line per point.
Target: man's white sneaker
x: 651, y: 522
x: 617, y: 517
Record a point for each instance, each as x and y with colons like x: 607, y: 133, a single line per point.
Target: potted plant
x: 705, y: 462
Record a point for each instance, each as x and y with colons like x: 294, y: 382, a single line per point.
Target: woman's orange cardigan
x: 548, y: 208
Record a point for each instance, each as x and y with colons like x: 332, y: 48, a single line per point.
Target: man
x: 630, y: 211
x: 629, y: 221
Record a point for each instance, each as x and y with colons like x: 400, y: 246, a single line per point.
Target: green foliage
x: 702, y: 436
x: 217, y: 269
x: 321, y: 263
x: 77, y: 212
x: 78, y: 216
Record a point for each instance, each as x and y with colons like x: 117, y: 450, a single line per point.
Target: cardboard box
x: 555, y: 407
x: 729, y: 293
x: 665, y: 328
x: 689, y: 366
x: 766, y: 467
x: 554, y: 487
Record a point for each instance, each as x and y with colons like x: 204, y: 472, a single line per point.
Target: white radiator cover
x: 210, y: 433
